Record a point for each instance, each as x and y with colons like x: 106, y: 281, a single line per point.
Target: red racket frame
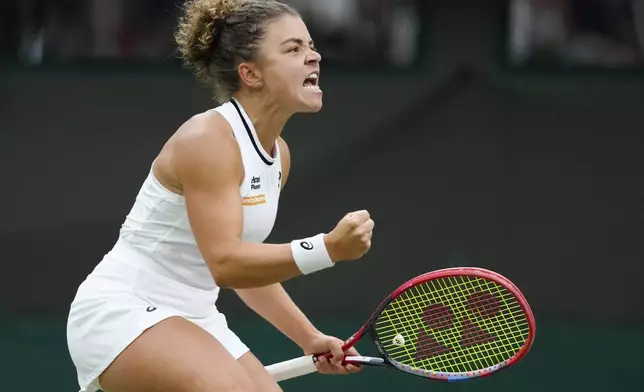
x: 447, y: 273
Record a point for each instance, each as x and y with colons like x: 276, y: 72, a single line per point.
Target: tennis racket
x: 452, y: 324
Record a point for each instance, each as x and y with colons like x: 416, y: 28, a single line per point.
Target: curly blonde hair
x: 214, y: 36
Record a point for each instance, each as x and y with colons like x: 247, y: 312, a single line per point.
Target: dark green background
x: 462, y: 161
x: 576, y: 356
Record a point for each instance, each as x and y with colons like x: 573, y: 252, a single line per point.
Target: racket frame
x: 368, y: 327
x: 384, y: 360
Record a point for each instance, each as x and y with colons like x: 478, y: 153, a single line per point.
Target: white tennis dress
x: 155, y: 269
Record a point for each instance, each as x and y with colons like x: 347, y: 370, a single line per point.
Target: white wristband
x: 310, y: 254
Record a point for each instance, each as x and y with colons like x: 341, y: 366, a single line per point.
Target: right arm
x: 209, y: 167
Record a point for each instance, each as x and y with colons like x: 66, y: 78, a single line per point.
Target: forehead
x: 284, y: 28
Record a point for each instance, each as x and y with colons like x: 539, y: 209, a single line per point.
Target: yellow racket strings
x: 454, y: 324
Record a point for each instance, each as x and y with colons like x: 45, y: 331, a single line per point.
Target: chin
x: 310, y: 104
x: 314, y: 108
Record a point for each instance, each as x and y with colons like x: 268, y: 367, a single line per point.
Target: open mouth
x: 311, y: 81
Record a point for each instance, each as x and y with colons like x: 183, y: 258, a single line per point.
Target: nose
x: 313, y: 57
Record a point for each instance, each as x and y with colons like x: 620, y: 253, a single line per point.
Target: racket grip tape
x: 292, y: 368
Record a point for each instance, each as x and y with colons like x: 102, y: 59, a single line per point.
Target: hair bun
x: 197, y: 31
x: 214, y: 36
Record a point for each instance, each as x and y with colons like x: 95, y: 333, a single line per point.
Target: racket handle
x: 292, y: 368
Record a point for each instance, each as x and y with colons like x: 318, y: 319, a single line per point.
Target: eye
x: 294, y: 49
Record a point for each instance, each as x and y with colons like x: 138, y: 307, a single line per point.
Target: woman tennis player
x: 145, y: 318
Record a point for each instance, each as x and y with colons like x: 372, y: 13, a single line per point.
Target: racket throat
x: 362, y: 360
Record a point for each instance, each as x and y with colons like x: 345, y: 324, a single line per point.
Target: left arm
x: 274, y: 305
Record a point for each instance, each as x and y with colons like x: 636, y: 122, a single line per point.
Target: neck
x: 267, y: 118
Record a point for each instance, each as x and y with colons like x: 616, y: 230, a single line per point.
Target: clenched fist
x: 351, y: 237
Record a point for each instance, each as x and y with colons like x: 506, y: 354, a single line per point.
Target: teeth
x: 313, y: 77
x: 311, y: 81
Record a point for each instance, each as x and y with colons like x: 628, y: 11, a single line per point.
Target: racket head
x: 453, y: 324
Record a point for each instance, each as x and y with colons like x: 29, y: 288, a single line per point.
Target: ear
x: 250, y: 75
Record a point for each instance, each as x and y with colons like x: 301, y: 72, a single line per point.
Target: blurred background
x: 504, y: 134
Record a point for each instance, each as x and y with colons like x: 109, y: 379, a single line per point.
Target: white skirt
x: 120, y: 299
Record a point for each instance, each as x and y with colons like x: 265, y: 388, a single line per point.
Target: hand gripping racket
x: 451, y: 324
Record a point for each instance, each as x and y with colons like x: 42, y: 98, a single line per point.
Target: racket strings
x: 483, y: 338
x: 466, y: 329
x: 453, y: 325
x: 433, y: 348
x: 453, y: 336
x: 410, y: 309
x: 476, y: 305
x: 427, y: 345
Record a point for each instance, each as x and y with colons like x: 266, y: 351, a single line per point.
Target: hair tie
x: 219, y: 25
x: 217, y: 30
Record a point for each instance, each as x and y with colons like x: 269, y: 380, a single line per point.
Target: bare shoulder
x: 202, y: 149
x: 285, y: 156
x: 206, y: 136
